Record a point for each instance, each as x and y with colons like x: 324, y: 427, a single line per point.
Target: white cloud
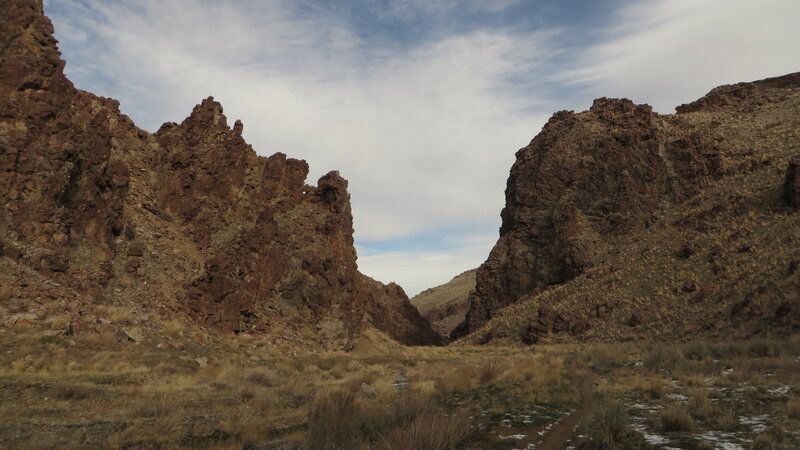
x: 425, y: 135
x: 668, y: 52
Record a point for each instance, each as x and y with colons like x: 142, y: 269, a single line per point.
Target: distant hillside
x: 446, y: 305
x: 621, y: 223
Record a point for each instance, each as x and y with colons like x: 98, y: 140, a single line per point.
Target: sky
x: 420, y: 104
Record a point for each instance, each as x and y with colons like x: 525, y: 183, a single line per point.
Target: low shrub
x: 431, y: 430
x: 606, y: 428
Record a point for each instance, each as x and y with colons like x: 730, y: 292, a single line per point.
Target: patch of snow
x: 643, y: 407
x: 744, y: 390
x: 513, y: 437
x: 652, y: 439
x: 782, y: 390
x: 756, y: 423
x: 721, y: 441
x: 679, y: 397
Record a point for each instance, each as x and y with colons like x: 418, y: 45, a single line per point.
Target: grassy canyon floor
x: 182, y: 389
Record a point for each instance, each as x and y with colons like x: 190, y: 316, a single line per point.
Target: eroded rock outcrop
x: 597, y: 193
x: 188, y: 220
x: 585, y: 176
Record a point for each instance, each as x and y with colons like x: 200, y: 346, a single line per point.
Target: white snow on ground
x: 782, y: 390
x: 721, y: 441
x: 756, y: 423
x: 678, y: 397
x: 546, y: 429
x: 513, y: 437
x: 643, y: 407
x: 652, y: 439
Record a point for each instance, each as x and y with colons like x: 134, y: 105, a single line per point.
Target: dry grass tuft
x: 663, y: 357
x: 456, y: 379
x: 606, y: 428
x: 655, y: 389
x: 763, y: 348
x: 264, y: 377
x: 792, y: 409
x: 699, y: 406
x: 675, y: 418
x: 489, y: 370
x: 605, y: 357
x: 431, y: 430
x: 332, y: 421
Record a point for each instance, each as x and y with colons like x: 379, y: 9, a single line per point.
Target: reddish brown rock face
x: 585, y: 176
x: 188, y: 220
x: 63, y: 185
x: 596, y: 195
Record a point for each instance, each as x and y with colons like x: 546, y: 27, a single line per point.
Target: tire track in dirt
x: 563, y: 431
x: 556, y: 437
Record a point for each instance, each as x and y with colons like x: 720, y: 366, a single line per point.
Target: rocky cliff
x: 187, y: 221
x: 619, y: 221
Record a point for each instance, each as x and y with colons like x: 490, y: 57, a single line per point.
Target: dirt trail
x: 564, y: 431
x: 557, y: 437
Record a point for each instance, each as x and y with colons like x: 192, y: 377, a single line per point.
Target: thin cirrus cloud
x: 420, y: 105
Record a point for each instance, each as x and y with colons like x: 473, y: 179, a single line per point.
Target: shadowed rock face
x: 188, y: 220
x: 593, y: 181
x: 791, y: 187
